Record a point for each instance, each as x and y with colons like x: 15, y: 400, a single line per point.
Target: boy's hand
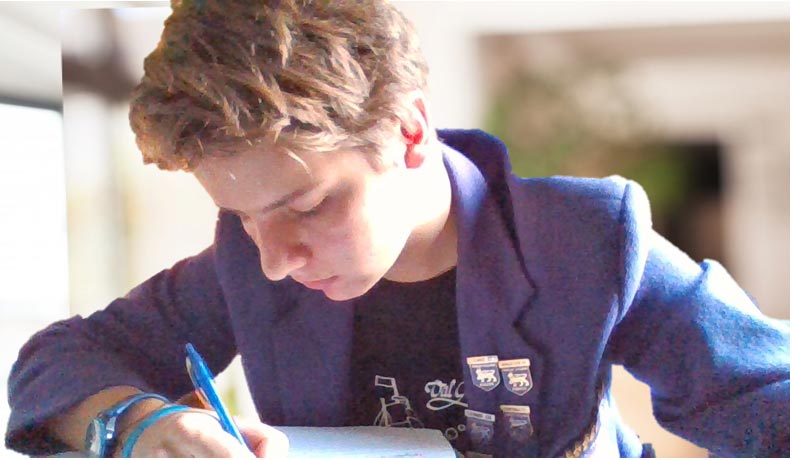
x: 264, y: 440
x: 197, y: 433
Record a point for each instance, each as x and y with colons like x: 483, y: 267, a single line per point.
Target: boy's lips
x: 320, y: 284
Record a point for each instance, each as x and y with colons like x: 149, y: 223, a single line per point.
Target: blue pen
x: 203, y: 381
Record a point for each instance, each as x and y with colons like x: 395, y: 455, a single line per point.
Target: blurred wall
x: 725, y: 84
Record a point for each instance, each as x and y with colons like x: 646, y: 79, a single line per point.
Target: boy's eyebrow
x: 281, y: 202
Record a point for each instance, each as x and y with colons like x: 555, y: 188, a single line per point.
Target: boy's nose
x: 280, y: 251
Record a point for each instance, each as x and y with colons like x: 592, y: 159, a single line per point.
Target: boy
x: 370, y: 270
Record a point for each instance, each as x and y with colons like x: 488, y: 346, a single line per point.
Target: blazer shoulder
x: 605, y: 222
x: 614, y: 195
x: 604, y: 189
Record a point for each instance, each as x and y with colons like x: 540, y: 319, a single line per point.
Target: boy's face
x: 335, y: 224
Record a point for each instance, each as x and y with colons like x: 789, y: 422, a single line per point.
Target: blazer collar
x: 490, y: 257
x: 494, y: 290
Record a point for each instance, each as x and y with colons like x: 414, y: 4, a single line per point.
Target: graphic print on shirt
x: 445, y: 395
x: 384, y: 417
x: 396, y: 410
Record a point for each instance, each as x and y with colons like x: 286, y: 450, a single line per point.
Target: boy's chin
x: 347, y: 291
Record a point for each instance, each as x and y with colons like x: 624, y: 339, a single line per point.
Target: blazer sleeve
x: 718, y: 368
x: 138, y: 340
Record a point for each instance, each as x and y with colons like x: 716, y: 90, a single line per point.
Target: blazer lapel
x: 306, y: 337
x: 493, y: 293
x: 313, y: 345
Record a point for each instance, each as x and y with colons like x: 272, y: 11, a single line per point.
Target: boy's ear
x: 414, y: 131
x: 414, y: 155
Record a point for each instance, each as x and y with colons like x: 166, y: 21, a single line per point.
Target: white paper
x: 366, y: 441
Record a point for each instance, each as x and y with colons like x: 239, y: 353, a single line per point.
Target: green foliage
x: 549, y: 130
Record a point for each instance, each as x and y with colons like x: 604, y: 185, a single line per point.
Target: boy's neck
x: 431, y: 248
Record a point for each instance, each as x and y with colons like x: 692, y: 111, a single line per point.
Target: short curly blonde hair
x: 301, y: 75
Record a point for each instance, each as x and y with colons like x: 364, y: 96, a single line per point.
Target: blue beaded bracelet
x: 147, y: 422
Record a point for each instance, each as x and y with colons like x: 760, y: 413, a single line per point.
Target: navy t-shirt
x: 406, y: 364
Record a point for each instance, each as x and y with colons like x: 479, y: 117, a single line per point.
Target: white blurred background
x: 83, y: 220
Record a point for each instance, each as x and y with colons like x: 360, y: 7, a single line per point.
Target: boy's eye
x: 313, y: 210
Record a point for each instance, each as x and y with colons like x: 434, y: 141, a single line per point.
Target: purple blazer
x: 566, y: 272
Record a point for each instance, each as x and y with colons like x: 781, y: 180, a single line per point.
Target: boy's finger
x: 264, y: 440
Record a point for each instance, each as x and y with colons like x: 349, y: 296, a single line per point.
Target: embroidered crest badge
x: 517, y: 375
x: 480, y: 427
x: 484, y: 371
x: 519, y: 422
